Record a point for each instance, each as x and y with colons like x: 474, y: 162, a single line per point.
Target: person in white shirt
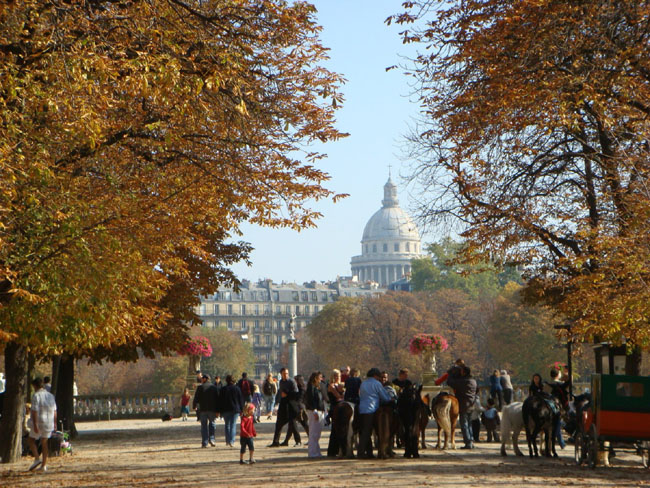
x: 43, y: 417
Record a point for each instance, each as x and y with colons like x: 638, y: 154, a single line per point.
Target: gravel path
x: 142, y: 453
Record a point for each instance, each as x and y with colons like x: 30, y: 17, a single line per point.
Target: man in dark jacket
x: 465, y: 387
x: 288, y: 390
x: 206, y: 399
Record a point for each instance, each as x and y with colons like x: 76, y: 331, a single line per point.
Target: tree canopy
x: 534, y: 136
x: 135, y: 138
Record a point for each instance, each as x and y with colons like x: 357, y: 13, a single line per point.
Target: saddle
x: 551, y: 403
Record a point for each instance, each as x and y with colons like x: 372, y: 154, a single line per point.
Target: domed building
x: 390, y: 241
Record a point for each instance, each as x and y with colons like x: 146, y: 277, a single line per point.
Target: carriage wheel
x: 580, y: 448
x: 645, y: 454
x: 592, y: 450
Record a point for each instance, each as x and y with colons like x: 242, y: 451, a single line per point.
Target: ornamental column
x: 293, y: 349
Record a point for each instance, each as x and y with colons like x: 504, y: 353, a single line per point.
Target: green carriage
x: 619, y: 413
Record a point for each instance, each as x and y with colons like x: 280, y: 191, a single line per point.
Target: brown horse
x: 386, y: 425
x: 445, y: 411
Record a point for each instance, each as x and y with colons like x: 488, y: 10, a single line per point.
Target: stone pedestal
x: 194, y: 364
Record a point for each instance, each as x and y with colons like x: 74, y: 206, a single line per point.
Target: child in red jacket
x: 246, y: 433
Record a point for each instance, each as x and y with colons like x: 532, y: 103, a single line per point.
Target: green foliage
x: 442, y: 269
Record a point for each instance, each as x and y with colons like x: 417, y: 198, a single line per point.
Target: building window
x: 297, y: 309
x: 258, y: 371
x: 257, y: 309
x: 295, y: 296
x: 306, y: 309
x: 267, y: 339
x: 266, y: 356
x: 253, y: 295
x: 278, y: 324
x: 304, y: 296
x: 243, y: 325
x: 256, y: 340
x: 256, y: 325
x: 408, y: 247
x: 316, y: 308
x: 227, y: 296
x: 229, y: 325
x: 277, y: 310
x: 243, y: 309
x: 288, y: 309
x: 278, y: 340
x: 396, y: 247
x: 366, y: 248
x: 374, y: 248
x: 314, y: 297
x: 323, y: 296
x: 267, y: 325
x: 276, y: 296
x: 385, y: 247
x: 229, y: 309
x: 267, y: 309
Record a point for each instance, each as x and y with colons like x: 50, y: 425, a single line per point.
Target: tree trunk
x: 633, y: 362
x: 30, y: 375
x: 65, y: 395
x: 56, y: 362
x: 11, y: 425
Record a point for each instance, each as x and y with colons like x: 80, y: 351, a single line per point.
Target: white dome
x: 390, y: 223
x: 390, y: 241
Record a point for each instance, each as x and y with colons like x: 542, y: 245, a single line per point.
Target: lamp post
x: 569, y: 348
x: 293, y: 350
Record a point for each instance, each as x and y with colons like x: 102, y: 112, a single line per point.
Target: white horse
x: 512, y: 423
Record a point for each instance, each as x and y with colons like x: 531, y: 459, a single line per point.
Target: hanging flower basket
x: 197, y: 346
x: 427, y: 343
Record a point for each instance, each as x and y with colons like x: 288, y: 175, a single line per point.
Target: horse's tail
x: 441, y: 412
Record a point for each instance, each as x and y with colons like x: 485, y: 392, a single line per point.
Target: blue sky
x: 377, y: 113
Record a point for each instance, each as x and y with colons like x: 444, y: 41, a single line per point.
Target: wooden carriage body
x: 619, y: 412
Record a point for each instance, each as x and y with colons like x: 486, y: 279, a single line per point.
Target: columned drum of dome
x: 390, y: 241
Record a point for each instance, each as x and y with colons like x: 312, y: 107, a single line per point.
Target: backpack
x: 246, y: 387
x: 267, y: 388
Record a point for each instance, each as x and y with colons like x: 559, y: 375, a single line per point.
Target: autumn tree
x: 230, y: 354
x: 135, y: 138
x: 337, y: 335
x: 534, y: 136
x: 519, y: 336
x: 367, y: 332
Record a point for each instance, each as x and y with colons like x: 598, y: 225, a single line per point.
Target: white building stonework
x: 260, y: 313
x: 390, y: 241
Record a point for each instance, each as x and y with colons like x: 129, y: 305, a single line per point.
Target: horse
x: 512, y: 423
x: 424, y: 419
x: 445, y: 410
x: 542, y: 413
x: 411, y: 408
x: 386, y: 425
x: 345, y: 428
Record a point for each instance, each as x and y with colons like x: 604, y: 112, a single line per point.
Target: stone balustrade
x: 111, y: 406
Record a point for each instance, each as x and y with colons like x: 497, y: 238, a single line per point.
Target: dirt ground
x: 141, y: 453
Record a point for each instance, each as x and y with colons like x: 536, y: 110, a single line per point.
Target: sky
x: 377, y: 113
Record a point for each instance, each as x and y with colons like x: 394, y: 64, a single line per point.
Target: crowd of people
x: 310, y: 404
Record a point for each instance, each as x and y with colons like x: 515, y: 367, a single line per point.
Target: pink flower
x: 198, y: 346
x: 427, y: 342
